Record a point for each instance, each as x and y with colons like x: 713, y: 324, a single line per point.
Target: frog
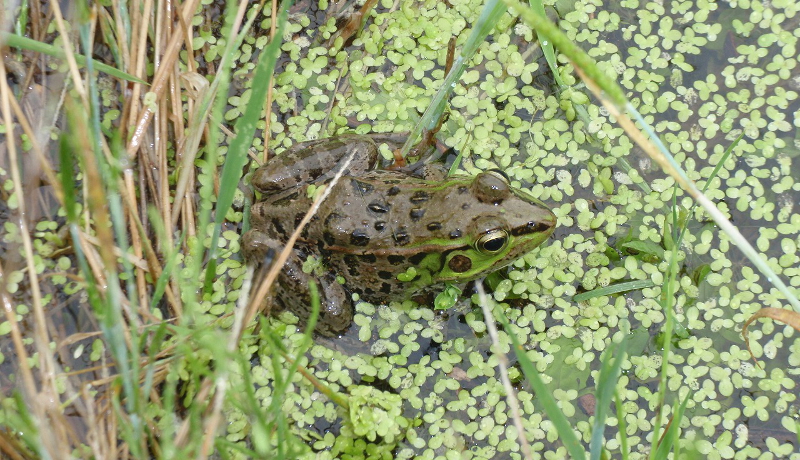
x: 382, y: 234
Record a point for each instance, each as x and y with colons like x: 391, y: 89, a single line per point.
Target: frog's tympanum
x: 388, y: 234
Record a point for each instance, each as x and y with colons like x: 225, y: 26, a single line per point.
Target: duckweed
x: 701, y: 81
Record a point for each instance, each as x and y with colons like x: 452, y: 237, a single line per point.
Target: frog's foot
x: 291, y: 290
x: 256, y: 245
x: 293, y: 294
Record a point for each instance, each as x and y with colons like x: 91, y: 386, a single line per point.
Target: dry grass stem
x: 502, y: 365
x: 45, y: 401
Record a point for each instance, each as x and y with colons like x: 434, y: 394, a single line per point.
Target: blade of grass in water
x: 709, y: 180
x: 547, y: 47
x: 486, y: 21
x: 623, y: 428
x: 565, y: 431
x: 666, y: 443
x: 606, y: 384
x: 580, y: 109
x: 245, y: 130
x: 614, y: 289
x: 171, y: 255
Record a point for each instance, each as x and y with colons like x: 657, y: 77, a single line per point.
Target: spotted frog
x: 388, y: 234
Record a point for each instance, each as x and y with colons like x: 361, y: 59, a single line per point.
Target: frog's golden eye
x: 492, y: 242
x: 501, y: 174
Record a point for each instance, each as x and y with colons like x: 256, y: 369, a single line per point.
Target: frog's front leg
x: 316, y: 161
x: 291, y: 292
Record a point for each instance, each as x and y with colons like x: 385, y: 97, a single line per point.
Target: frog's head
x: 506, y: 224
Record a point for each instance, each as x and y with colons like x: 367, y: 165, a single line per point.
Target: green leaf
x: 613, y: 289
x: 671, y: 435
x: 447, y: 298
x: 607, y: 382
x: 647, y: 247
x: 245, y: 130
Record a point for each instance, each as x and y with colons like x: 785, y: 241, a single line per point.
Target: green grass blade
x: 21, y: 24
x: 671, y: 435
x: 18, y: 41
x: 565, y: 432
x: 622, y: 427
x: 613, y: 289
x: 67, y: 178
x: 722, y: 161
x: 722, y: 221
x: 547, y: 47
x: 245, y: 129
x: 486, y: 21
x: 551, y: 33
x: 606, y: 386
x: 171, y: 255
x: 580, y: 109
x: 112, y: 318
x: 710, y: 179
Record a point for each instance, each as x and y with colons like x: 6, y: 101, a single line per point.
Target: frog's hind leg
x: 290, y: 291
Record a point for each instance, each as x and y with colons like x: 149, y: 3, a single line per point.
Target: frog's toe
x: 336, y: 313
x: 255, y: 246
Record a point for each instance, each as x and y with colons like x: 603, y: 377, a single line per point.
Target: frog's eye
x: 501, y: 174
x: 492, y: 242
x: 491, y: 187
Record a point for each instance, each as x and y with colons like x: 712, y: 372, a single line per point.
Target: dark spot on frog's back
x: 420, y: 197
x: 384, y: 275
x: 416, y: 214
x: 531, y: 227
x: 455, y: 234
x: 393, y: 191
x: 462, y: 190
x: 386, y: 288
x: 396, y: 260
x: 351, y: 262
x: 380, y: 225
x: 332, y: 219
x: 401, y: 237
x: 313, y: 173
x: 276, y: 223
x: 417, y: 258
x: 359, y: 237
x: 363, y: 187
x: 368, y: 258
x: 378, y: 207
x: 433, y: 226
